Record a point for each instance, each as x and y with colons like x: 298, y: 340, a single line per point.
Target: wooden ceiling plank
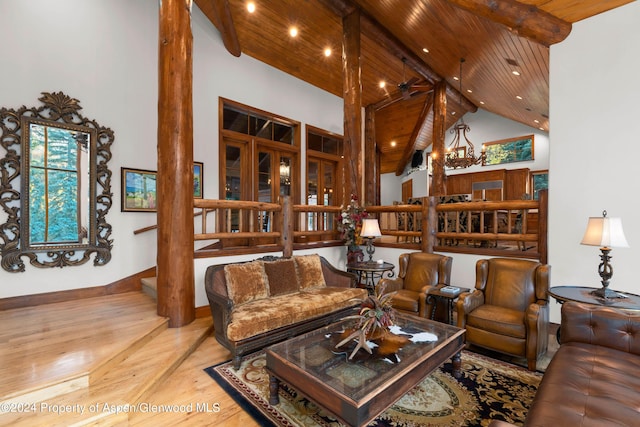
x: 525, y: 20
x: 219, y: 14
x: 411, y: 144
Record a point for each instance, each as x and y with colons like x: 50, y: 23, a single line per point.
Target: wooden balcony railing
x: 516, y: 228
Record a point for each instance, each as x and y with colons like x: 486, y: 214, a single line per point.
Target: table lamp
x: 370, y: 230
x: 606, y: 233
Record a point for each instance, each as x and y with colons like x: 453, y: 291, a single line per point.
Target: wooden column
x: 371, y: 159
x: 175, y: 276
x: 439, y: 123
x: 352, y: 87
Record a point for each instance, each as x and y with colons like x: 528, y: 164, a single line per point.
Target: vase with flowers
x: 349, y: 226
x: 372, y: 323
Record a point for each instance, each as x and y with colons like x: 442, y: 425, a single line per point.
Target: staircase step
x: 115, y: 391
x: 150, y: 286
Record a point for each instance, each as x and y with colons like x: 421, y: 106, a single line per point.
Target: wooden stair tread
x: 69, y: 341
x: 126, y: 383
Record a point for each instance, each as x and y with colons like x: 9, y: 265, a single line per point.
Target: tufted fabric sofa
x: 594, y: 378
x: 258, y: 303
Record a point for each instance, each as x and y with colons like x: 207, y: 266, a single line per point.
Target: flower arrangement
x: 375, y: 318
x: 350, y: 222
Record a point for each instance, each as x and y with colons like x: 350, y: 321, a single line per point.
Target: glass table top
x: 316, y: 355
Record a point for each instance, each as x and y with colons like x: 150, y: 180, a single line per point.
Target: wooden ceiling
x: 422, y: 42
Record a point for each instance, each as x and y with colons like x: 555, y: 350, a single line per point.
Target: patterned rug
x: 489, y: 389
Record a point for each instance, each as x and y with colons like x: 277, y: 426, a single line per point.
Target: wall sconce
x: 370, y: 230
x: 606, y: 233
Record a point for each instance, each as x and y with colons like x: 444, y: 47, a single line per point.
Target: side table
x: 370, y: 272
x: 448, y: 298
x: 583, y: 294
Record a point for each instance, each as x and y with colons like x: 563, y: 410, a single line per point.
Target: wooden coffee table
x: 358, y: 391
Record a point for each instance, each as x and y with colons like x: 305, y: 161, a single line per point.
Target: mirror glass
x: 55, y: 186
x: 57, y: 169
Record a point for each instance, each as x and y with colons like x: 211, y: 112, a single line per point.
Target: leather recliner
x: 508, y: 310
x: 419, y: 271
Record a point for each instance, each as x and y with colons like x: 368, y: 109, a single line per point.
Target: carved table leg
x: 274, y: 385
x: 457, y: 366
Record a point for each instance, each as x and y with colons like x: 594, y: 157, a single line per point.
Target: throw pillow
x: 282, y: 276
x: 246, y: 282
x: 309, y: 269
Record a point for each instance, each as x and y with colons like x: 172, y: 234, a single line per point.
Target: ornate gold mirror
x: 56, y: 216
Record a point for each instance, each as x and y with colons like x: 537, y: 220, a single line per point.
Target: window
x: 539, y: 181
x: 509, y: 150
x: 259, y: 155
x: 324, y: 151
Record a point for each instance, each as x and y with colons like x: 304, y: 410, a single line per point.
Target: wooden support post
x: 286, y: 236
x: 543, y: 218
x: 439, y: 123
x: 430, y: 225
x: 176, y: 294
x: 352, y: 146
x: 371, y: 159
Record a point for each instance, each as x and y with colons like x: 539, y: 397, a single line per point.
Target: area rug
x: 489, y: 389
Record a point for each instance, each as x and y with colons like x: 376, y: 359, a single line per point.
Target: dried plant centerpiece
x: 372, y: 323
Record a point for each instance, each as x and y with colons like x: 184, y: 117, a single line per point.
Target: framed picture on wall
x: 510, y: 150
x: 138, y: 190
x: 198, y: 170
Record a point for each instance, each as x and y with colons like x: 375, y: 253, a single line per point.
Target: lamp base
x: 606, y: 293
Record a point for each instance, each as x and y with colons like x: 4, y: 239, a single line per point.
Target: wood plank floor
x: 110, y: 351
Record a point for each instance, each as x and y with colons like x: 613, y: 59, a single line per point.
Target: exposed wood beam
x: 352, y: 97
x: 397, y: 96
x: 411, y: 144
x: 176, y: 294
x: 381, y: 35
x: 525, y: 20
x: 439, y: 125
x: 219, y: 14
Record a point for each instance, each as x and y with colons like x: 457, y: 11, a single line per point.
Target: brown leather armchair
x: 418, y: 272
x: 508, y: 310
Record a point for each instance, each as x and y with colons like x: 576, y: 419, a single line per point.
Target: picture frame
x: 138, y: 190
x: 198, y: 176
x: 518, y: 149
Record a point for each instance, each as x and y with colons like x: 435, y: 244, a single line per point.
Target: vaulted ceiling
x: 504, y: 44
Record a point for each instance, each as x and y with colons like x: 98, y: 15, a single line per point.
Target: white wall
x: 104, y: 53
x: 595, y: 87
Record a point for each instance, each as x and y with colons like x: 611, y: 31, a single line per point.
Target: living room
x: 591, y: 100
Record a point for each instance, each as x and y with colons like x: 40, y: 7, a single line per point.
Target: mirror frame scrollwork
x: 61, y: 111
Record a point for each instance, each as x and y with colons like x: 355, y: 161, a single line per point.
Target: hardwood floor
x: 82, y: 362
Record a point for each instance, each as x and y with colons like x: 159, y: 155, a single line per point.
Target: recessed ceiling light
x: 453, y: 113
x: 327, y: 52
x: 393, y: 143
x: 482, y: 102
x: 469, y: 90
x: 382, y: 84
x: 425, y: 50
x: 518, y: 96
x: 251, y: 7
x: 293, y: 31
x: 515, y: 72
x: 541, y: 128
x: 456, y: 78
x: 536, y: 121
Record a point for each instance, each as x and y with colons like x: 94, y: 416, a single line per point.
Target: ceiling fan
x: 409, y: 87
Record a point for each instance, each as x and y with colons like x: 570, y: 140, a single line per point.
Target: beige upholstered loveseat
x: 258, y: 303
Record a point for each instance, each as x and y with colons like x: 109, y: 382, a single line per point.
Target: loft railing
x: 516, y: 228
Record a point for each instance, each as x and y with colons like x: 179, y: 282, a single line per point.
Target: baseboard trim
x: 128, y: 284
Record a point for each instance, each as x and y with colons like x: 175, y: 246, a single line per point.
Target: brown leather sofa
x: 508, y: 310
x: 258, y: 303
x: 418, y: 272
x: 594, y: 377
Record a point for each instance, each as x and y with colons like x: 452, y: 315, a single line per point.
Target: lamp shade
x: 370, y: 228
x: 606, y: 232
